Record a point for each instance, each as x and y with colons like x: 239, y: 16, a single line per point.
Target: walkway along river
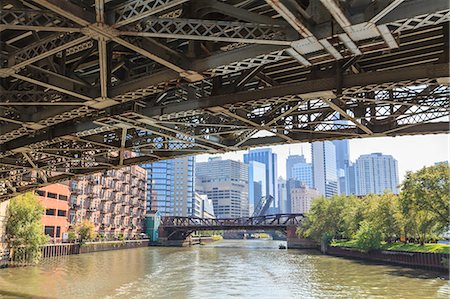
x: 225, y: 269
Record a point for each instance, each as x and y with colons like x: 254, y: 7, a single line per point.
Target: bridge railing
x: 266, y: 220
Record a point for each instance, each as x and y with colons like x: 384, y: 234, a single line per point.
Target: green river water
x: 225, y: 269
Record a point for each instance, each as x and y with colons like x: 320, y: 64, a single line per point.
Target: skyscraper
x: 269, y: 159
x: 303, y: 172
x: 352, y: 180
x: 342, y: 165
x: 282, y: 195
x: 325, y: 178
x: 256, y: 184
x: 377, y: 173
x: 290, y: 162
x: 225, y: 182
x: 170, y: 186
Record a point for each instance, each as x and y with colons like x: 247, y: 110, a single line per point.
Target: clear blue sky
x: 411, y: 152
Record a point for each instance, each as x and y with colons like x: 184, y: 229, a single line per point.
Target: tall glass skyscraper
x: 290, y: 162
x: 256, y: 184
x: 377, y: 173
x: 342, y: 165
x: 170, y: 186
x: 303, y: 173
x: 269, y: 159
x: 325, y: 177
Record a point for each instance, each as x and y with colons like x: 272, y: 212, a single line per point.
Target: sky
x: 411, y: 152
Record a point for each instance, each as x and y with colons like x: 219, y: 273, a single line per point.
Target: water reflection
x: 226, y: 269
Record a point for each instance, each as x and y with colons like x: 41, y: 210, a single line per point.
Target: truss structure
x: 83, y: 81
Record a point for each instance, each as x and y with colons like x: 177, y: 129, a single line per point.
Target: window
x: 58, y: 231
x: 62, y: 197
x: 52, y: 195
x: 50, y: 212
x: 40, y: 192
x: 62, y: 213
x: 49, y: 230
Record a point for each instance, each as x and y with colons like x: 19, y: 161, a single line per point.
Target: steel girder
x: 82, y: 84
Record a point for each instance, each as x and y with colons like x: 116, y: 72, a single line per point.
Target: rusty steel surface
x: 83, y: 82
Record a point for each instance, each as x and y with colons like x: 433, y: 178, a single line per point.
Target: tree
x: 325, y: 219
x: 382, y: 215
x: 428, y: 190
x: 85, y: 231
x: 24, y: 229
x: 368, y: 237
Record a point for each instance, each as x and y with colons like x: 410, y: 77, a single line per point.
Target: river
x: 225, y: 269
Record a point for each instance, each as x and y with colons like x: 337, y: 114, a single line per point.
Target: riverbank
x: 424, y: 260
x: 64, y: 249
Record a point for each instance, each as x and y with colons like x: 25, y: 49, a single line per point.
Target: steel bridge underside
x: 85, y: 83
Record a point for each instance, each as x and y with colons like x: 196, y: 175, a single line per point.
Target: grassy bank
x: 431, y: 247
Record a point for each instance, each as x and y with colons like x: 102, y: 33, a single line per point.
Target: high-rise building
x: 171, y: 186
x: 325, y: 178
x: 282, y: 195
x: 290, y: 162
x: 342, y: 165
x: 225, y: 182
x: 377, y: 173
x: 269, y: 159
x: 291, y: 184
x: 352, y: 180
x: 302, y: 198
x: 114, y: 201
x: 256, y: 184
x: 302, y: 172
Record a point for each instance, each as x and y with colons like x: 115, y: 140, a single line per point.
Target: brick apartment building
x: 114, y: 201
x: 55, y: 198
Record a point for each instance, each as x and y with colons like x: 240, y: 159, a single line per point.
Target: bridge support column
x: 174, y: 238
x: 295, y: 242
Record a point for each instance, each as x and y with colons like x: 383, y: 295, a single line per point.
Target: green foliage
x: 71, y: 235
x: 23, y: 227
x: 428, y: 190
x: 432, y: 248
x: 120, y: 237
x: 368, y: 237
x: 85, y: 231
x: 382, y: 215
x: 419, y: 213
x: 324, y: 218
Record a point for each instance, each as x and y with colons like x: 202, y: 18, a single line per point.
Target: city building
x: 291, y: 184
x: 301, y: 199
x: 353, y: 180
x: 256, y: 184
x: 302, y: 172
x: 342, y: 165
x: 207, y: 208
x: 269, y: 159
x: 325, y: 178
x: 291, y: 161
x: 225, y: 182
x: 114, y: 201
x: 377, y: 173
x: 55, y: 199
x: 282, y: 196
x: 171, y: 186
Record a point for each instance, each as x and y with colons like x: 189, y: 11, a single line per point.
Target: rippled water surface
x: 225, y: 269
